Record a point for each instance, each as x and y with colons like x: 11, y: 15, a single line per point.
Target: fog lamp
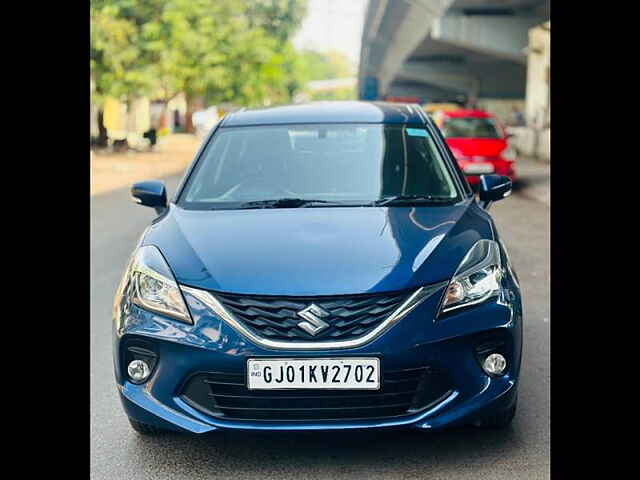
x: 494, y: 364
x: 138, y: 371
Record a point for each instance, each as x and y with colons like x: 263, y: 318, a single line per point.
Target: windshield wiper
x: 286, y: 203
x: 411, y: 199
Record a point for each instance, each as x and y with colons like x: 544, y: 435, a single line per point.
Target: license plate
x: 475, y: 168
x: 313, y: 373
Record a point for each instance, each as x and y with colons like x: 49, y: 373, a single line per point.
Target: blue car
x: 321, y: 266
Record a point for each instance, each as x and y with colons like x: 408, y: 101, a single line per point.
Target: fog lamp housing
x: 139, y: 359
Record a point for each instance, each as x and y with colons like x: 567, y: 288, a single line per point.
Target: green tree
x: 224, y: 50
x: 278, y: 18
x: 191, y: 44
x: 276, y: 74
x: 116, y: 69
x: 326, y: 66
x: 221, y: 50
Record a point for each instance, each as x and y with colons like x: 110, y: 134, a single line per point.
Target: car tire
x: 499, y: 420
x: 144, y: 429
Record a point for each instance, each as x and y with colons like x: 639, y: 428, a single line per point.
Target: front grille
x: 402, y: 392
x: 276, y: 318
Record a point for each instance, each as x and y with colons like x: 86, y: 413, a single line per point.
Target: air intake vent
x: 402, y: 392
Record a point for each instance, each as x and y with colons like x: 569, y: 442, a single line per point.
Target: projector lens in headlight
x: 477, y: 278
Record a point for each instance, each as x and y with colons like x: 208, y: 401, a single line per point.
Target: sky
x: 333, y: 25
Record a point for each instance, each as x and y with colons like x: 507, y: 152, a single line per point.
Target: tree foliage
x: 192, y: 44
x: 222, y: 50
x: 326, y: 66
x: 116, y: 69
x: 278, y: 18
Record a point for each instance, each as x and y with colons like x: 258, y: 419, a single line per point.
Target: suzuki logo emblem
x: 313, y: 315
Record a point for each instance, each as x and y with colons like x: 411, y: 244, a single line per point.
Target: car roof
x: 329, y: 112
x: 468, y: 113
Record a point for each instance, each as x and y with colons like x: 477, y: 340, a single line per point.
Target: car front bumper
x: 448, y: 345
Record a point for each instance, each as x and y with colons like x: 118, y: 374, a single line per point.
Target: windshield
x: 336, y: 164
x: 469, y: 127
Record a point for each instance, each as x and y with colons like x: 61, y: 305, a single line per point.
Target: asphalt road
x: 521, y: 451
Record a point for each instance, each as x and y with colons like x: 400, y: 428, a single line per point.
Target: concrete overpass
x: 447, y: 49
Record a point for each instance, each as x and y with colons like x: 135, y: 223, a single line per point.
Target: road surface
x: 519, y: 452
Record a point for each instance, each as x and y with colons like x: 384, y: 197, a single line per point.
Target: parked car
x: 321, y: 266
x: 479, y: 142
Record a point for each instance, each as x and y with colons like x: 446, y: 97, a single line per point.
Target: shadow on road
x: 530, y: 180
x: 308, y: 451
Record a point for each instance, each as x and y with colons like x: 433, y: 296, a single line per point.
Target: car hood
x: 317, y: 251
x: 484, y: 147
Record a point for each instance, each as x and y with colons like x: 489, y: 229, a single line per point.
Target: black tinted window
x: 470, y: 128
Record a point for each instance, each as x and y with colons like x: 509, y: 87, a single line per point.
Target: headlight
x: 154, y: 287
x: 477, y: 278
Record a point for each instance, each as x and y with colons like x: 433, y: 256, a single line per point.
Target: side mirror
x: 151, y: 193
x: 492, y: 188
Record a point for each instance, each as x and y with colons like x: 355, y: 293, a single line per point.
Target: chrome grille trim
x: 419, y: 296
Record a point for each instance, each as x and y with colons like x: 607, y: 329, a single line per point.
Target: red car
x: 478, y: 142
